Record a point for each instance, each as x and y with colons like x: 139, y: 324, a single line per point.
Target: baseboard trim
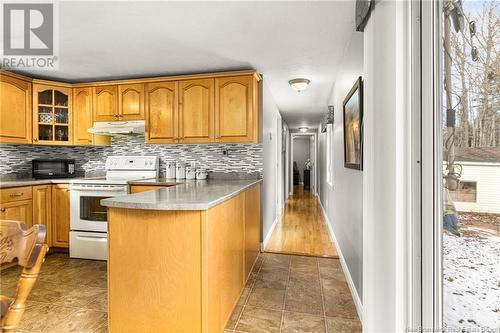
x: 270, y: 232
x: 350, y: 282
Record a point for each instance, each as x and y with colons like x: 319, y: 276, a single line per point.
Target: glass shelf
x: 53, y: 116
x: 45, y: 97
x: 61, y: 115
x: 61, y: 133
x: 60, y: 98
x: 45, y: 132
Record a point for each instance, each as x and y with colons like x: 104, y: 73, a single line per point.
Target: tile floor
x: 284, y: 293
x: 287, y: 293
x: 70, y: 295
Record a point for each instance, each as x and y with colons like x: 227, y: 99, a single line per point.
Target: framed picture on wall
x: 353, y: 127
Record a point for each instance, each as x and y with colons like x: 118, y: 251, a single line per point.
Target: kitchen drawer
x: 15, y: 194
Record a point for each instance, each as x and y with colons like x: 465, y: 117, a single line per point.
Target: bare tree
x: 476, y: 77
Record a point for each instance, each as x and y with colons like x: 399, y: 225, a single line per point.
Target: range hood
x: 118, y: 127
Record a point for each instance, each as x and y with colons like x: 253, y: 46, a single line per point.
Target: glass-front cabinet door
x: 52, y: 115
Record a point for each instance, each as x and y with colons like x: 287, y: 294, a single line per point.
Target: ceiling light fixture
x: 299, y: 84
x: 303, y: 129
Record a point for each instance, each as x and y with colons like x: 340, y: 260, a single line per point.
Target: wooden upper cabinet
x: 131, y: 101
x: 236, y: 105
x: 52, y: 114
x: 105, y: 103
x: 42, y: 207
x: 60, y: 215
x: 196, y: 111
x: 162, y: 114
x: 15, y: 110
x: 122, y: 102
x: 82, y: 110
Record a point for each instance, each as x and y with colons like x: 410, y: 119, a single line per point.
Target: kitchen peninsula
x: 179, y: 256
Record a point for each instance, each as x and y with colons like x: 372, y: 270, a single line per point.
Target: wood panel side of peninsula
x: 180, y: 271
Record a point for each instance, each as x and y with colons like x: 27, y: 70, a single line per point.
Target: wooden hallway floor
x: 302, y: 228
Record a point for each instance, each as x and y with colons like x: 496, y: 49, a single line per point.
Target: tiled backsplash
x: 248, y: 158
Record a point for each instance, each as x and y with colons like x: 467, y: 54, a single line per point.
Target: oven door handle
x: 92, y: 238
x: 98, y: 189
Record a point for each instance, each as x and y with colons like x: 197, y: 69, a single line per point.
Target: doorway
x: 303, y: 166
x: 301, y: 229
x: 460, y: 166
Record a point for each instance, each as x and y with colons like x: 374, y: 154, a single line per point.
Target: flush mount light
x: 303, y: 129
x: 299, y: 84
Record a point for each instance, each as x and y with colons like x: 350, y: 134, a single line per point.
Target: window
x: 466, y: 192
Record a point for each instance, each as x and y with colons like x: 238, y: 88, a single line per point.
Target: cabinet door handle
x: 18, y: 194
x: 2, y: 210
x: 35, y: 139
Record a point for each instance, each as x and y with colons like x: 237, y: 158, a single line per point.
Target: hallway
x: 302, y: 228
x: 295, y: 294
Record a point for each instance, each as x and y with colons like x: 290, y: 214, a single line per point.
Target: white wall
x: 387, y: 148
x: 284, y: 162
x: 301, y: 153
x: 288, y: 162
x: 343, y: 202
x: 313, y: 153
x: 270, y: 138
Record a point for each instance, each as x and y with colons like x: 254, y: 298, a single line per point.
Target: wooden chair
x: 29, y: 249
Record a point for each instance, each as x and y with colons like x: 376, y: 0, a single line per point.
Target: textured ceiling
x: 282, y: 40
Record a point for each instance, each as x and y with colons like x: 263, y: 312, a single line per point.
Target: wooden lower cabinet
x: 190, y: 275
x: 224, y: 248
x: 40, y: 204
x: 252, y: 228
x: 42, y: 209
x: 60, y: 215
x: 21, y: 211
x: 16, y: 205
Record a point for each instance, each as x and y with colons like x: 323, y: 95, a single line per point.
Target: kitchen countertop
x: 33, y: 181
x: 186, y: 195
x: 157, y: 182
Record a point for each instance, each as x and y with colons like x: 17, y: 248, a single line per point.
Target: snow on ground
x: 471, y: 283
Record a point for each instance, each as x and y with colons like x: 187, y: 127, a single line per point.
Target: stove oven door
x: 87, y: 213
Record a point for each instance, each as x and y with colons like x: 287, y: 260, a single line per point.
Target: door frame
x: 279, y: 166
x: 315, y: 166
x: 427, y: 300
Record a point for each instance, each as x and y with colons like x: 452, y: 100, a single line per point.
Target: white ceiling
x: 282, y: 40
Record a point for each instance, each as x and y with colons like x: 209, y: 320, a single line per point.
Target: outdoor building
x: 479, y: 188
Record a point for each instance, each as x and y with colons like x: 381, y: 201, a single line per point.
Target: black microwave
x: 53, y: 168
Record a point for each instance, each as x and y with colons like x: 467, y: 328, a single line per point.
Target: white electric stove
x: 88, y: 219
